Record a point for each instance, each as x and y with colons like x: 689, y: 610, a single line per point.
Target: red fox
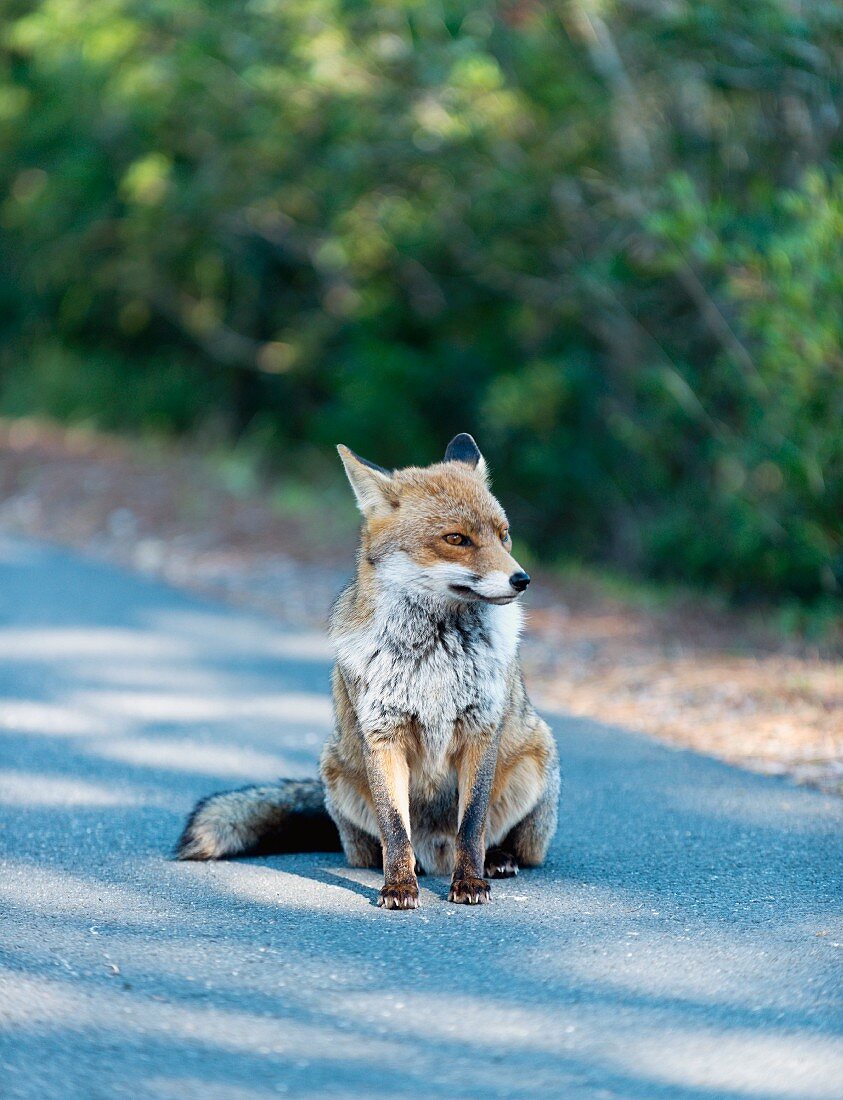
x: 438, y: 762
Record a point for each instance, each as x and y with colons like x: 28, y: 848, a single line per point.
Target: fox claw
x: 399, y: 895
x: 469, y: 891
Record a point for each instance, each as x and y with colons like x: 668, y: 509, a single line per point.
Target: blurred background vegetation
x: 602, y: 235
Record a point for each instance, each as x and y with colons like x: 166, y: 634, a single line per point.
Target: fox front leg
x: 389, y: 781
x: 474, y: 773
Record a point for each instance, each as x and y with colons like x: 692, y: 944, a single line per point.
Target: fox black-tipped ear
x: 462, y: 448
x: 372, y: 484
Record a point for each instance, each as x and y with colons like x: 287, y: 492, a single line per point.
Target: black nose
x: 519, y: 581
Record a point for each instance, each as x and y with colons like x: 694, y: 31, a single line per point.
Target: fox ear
x: 462, y: 448
x: 372, y: 484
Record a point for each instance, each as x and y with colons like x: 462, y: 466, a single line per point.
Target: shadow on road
x: 683, y: 940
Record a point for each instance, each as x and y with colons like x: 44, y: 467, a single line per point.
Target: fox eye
x: 456, y: 539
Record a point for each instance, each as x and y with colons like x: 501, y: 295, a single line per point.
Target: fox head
x: 436, y: 530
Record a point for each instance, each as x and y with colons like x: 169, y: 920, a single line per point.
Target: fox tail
x: 287, y: 816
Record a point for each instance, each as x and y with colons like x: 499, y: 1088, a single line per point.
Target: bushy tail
x: 287, y: 816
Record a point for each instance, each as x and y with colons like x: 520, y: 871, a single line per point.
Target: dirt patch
x: 717, y: 682
x: 770, y: 710
x: 172, y: 512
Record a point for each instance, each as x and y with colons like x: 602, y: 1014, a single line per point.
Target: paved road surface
x: 684, y: 940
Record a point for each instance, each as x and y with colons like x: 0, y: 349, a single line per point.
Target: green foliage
x: 773, y: 501
x: 603, y: 236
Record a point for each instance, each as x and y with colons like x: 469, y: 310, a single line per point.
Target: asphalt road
x: 684, y: 940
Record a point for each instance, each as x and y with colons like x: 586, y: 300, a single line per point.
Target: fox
x: 438, y: 762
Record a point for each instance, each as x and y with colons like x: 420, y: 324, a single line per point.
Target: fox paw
x: 399, y: 895
x: 500, y: 864
x: 469, y: 891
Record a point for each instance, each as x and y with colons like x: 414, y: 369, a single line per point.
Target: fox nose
x: 519, y: 581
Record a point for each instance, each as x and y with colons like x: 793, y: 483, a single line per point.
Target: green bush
x: 604, y: 237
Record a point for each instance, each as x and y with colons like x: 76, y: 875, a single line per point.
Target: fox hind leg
x: 361, y: 849
x: 516, y: 838
x: 500, y: 863
x: 529, y: 839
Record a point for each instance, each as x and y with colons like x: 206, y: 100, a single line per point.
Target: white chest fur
x: 432, y: 664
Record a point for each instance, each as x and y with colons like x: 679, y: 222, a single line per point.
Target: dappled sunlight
x: 160, y: 676
x: 196, y: 1086
x: 70, y: 643
x: 359, y: 876
x: 284, y: 970
x: 774, y: 1063
x: 49, y: 719
x: 713, y: 967
x: 580, y: 901
x: 344, y: 1011
x: 267, y: 885
x: 161, y: 706
x: 59, y: 893
x: 210, y: 632
x: 32, y: 789
x: 233, y: 964
x: 331, y: 888
x: 59, y: 1005
x: 746, y: 1061
x: 193, y: 756
x: 35, y: 1003
x: 113, y: 690
x: 305, y: 646
x: 469, y: 1019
